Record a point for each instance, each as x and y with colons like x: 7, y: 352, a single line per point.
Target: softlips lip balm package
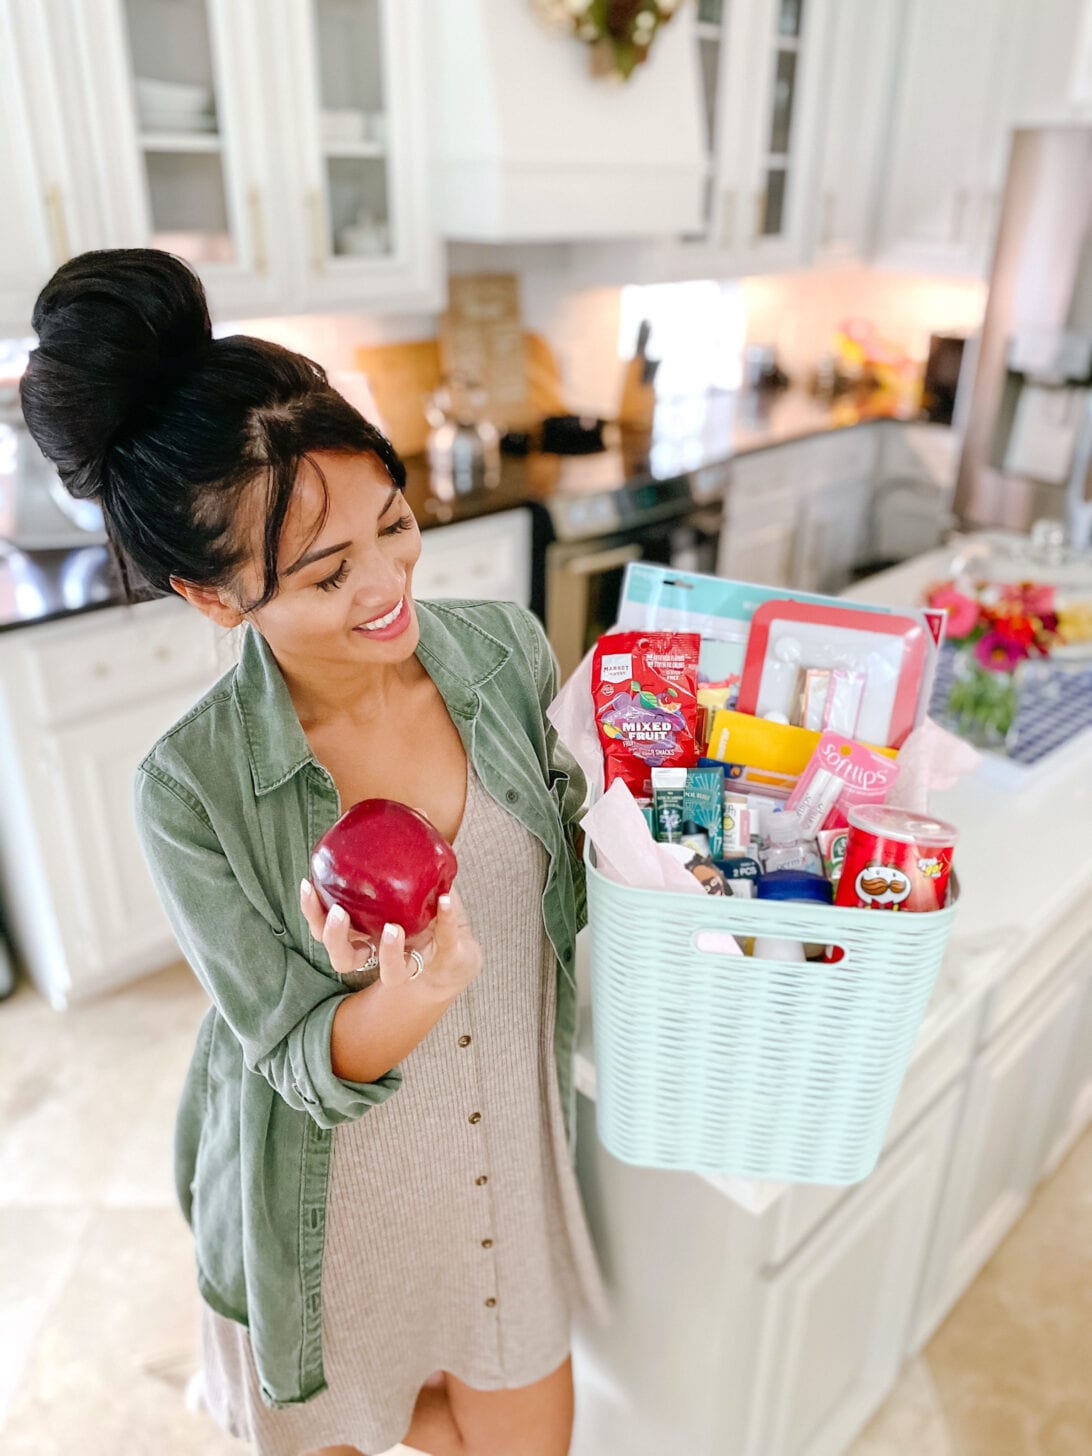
x: 839, y: 774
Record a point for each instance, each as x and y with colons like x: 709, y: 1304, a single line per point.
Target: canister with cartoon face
x: 896, y: 860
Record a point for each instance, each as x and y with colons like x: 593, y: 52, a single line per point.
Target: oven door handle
x: 599, y: 561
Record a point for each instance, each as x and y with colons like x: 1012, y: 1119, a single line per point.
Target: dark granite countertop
x: 42, y: 586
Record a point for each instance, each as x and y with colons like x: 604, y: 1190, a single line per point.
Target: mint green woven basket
x: 759, y: 1069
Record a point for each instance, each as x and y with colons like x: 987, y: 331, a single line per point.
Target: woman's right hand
x: 452, y: 957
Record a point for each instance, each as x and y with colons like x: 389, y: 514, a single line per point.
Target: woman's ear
x: 211, y: 601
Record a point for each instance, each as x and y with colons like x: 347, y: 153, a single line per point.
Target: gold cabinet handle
x: 62, y: 251
x: 760, y: 214
x: 257, y: 230
x: 318, y: 231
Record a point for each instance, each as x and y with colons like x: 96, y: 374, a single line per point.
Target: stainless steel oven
x: 660, y: 521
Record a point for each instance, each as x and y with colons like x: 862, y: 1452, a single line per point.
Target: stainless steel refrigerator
x: 1027, y: 446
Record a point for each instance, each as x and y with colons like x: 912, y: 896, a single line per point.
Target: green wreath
x: 619, y: 32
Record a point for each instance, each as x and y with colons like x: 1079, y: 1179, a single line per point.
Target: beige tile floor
x: 98, y: 1307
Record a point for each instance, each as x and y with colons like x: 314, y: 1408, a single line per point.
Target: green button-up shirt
x: 228, y: 804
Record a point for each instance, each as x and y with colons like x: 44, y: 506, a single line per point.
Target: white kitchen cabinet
x: 798, y: 514
x: 1071, y: 1111
x: 47, y: 214
x: 948, y: 58
x: 830, y: 537
x: 1001, y: 1142
x: 758, y: 540
x: 356, y: 205
x: 965, y: 75
x: 834, y: 1320
x: 81, y: 701
x: 489, y: 559
x: 111, y: 924
x: 715, y: 1350
x: 764, y: 554
x: 770, y: 102
x: 190, y: 171
x: 277, y: 145
x: 858, y: 67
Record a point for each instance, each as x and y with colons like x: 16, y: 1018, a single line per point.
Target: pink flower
x: 998, y: 653
x: 1038, y: 600
x: 962, y: 610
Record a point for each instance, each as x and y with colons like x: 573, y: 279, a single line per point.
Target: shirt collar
x: 458, y: 655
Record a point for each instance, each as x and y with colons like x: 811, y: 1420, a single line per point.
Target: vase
x: 981, y: 701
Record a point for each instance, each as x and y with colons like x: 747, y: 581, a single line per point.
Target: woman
x: 377, y: 1171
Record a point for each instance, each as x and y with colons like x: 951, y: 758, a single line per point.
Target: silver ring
x: 371, y: 963
x: 415, y: 955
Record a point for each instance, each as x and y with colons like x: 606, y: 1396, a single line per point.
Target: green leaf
x: 625, y: 57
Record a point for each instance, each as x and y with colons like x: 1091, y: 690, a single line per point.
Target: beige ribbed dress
x: 453, y: 1241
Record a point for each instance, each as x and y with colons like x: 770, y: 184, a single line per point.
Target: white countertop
x: 1024, y: 861
x: 1025, y: 858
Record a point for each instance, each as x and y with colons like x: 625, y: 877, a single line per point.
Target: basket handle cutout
x: 720, y: 942
x: 717, y: 942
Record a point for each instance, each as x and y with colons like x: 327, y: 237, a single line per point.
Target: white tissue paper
x: 626, y: 852
x: 572, y: 714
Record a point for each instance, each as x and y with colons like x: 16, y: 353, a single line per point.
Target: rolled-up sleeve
x: 278, y: 1005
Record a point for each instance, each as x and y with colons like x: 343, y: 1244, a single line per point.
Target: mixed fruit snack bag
x: 645, y: 692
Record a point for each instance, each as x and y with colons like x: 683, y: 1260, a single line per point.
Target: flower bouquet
x: 993, y: 629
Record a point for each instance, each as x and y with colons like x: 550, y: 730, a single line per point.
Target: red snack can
x: 896, y: 860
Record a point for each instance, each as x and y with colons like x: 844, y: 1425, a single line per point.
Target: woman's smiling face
x: 345, y: 594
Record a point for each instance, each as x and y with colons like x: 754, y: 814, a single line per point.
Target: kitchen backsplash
x: 564, y: 297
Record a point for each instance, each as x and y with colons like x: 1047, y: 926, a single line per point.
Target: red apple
x: 382, y: 861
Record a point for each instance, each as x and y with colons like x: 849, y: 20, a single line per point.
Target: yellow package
x: 773, y: 748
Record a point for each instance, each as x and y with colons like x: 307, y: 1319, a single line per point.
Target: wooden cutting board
x: 402, y: 376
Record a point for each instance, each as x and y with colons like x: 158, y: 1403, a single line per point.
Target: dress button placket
x: 466, y: 1041
x: 474, y: 1119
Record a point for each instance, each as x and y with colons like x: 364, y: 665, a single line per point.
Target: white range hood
x: 528, y: 145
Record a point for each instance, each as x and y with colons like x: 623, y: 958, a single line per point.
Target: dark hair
x: 139, y: 408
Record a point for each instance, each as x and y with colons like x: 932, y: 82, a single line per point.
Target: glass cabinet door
x: 777, y: 159
x: 710, y: 32
x: 180, y: 130
x: 352, y: 213
x: 774, y: 104
x: 355, y: 73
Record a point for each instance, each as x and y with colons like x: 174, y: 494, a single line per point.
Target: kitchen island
x: 773, y: 1319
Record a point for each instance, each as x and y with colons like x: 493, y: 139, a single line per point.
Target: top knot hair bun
x: 116, y: 327
x: 193, y: 448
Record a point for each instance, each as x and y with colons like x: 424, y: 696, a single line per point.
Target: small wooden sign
x: 481, y: 344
